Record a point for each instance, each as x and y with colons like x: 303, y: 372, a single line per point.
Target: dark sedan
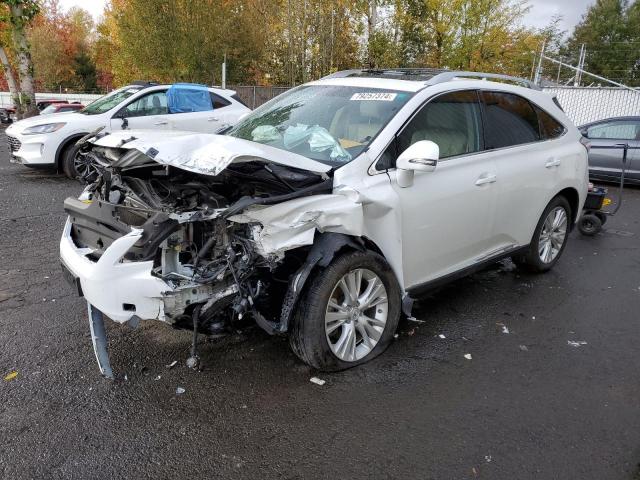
x: 608, y: 136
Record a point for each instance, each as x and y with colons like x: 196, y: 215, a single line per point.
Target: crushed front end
x: 149, y: 240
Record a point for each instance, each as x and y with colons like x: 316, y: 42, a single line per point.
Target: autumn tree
x: 610, y: 31
x: 17, y: 15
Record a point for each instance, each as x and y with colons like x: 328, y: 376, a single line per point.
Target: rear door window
x: 509, y: 120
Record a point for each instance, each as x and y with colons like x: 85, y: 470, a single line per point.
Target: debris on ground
x: 396, y: 336
x: 317, y: 381
x: 487, y: 458
x: 524, y: 348
x: 411, y: 332
x: 10, y: 376
x: 467, y: 356
x: 503, y: 327
x: 442, y: 336
x: 180, y: 391
x: 576, y: 344
x: 158, y: 377
x: 414, y: 319
x: 172, y: 364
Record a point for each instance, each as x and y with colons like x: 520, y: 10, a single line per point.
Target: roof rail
x: 448, y: 76
x: 431, y: 76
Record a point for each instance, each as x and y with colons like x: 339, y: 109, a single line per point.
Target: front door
x: 605, y: 159
x: 447, y: 215
x: 148, y: 112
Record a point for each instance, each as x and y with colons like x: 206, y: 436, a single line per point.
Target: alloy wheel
x: 356, y: 314
x: 553, y: 235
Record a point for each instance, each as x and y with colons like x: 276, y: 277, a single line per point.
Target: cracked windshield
x: 331, y: 124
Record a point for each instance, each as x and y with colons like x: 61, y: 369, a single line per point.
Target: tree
x: 610, y: 31
x: 18, y: 14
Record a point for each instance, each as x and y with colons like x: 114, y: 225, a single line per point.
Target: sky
x: 539, y: 16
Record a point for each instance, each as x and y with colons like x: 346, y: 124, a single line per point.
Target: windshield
x: 106, y: 103
x: 50, y: 109
x: 331, y: 124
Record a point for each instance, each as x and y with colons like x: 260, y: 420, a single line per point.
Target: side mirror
x: 584, y: 132
x: 422, y: 156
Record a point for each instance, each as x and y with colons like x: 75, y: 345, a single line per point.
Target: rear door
x: 205, y: 121
x: 605, y: 160
x: 527, y: 166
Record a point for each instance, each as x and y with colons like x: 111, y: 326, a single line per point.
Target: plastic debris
x: 505, y: 329
x: 317, y: 381
x: 396, y: 336
x: 10, y: 376
x: 524, y: 348
x: 172, y: 364
x: 180, y: 391
x: 576, y: 344
x: 487, y: 458
x: 441, y: 336
x: 467, y: 356
x: 414, y: 319
x: 158, y: 377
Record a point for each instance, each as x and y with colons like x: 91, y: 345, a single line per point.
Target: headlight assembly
x: 45, y: 128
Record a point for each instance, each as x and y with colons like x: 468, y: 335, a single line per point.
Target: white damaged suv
x: 323, y: 213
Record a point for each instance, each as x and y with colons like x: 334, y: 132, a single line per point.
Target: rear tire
x: 549, y: 238
x: 334, y: 330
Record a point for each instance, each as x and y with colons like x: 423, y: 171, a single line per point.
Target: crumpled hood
x: 203, y: 153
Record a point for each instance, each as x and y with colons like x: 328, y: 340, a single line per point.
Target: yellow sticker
x: 606, y: 201
x: 10, y: 376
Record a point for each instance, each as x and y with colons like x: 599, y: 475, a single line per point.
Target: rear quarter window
x: 550, y: 128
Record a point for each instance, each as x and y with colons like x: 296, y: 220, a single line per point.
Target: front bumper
x: 118, y: 288
x: 33, y: 150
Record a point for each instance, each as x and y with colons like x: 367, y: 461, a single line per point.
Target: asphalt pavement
x: 454, y: 397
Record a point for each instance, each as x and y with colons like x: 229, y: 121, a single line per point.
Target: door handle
x: 486, y: 178
x: 213, y: 119
x: 161, y: 122
x: 552, y: 163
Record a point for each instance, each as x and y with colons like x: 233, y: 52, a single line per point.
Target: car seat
x: 444, y: 124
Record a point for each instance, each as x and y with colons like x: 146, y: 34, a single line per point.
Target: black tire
x: 67, y: 160
x: 531, y: 259
x: 589, y: 224
x: 602, y: 216
x: 307, y: 335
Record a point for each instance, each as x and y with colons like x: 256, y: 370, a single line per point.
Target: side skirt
x: 420, y: 290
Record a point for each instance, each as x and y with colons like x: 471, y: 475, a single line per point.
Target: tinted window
x: 549, y: 126
x: 617, y: 130
x: 452, y: 121
x: 219, y: 102
x: 509, y: 120
x: 154, y: 103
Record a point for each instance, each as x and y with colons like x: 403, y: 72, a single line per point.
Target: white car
x: 326, y: 211
x: 50, y: 140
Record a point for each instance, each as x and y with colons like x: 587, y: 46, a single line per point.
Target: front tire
x: 349, y: 313
x: 549, y: 238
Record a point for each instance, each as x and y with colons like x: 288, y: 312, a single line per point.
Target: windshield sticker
x: 375, y: 96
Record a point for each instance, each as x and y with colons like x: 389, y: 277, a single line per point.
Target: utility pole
x: 224, y: 71
x: 581, y: 58
x: 538, y: 76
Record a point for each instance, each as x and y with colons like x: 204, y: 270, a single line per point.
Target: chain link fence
x: 588, y: 104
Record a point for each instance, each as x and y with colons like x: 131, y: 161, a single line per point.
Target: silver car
x: 607, y: 138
